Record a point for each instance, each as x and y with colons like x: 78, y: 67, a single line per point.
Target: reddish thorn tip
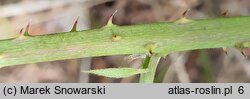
x: 111, y: 17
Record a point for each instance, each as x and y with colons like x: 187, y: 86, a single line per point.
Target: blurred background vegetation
x: 50, y: 16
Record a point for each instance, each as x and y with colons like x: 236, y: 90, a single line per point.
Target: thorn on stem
x: 240, y: 46
x: 21, y: 32
x: 243, y: 53
x: 225, y: 51
x: 75, y: 25
x: 26, y: 33
x: 165, y: 58
x: 183, y: 19
x: 225, y: 13
x: 184, y: 14
x: 110, y: 21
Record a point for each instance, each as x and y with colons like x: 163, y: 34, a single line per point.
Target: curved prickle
x: 74, y: 28
x: 26, y: 33
x: 225, y: 13
x: 184, y: 14
x: 225, y: 51
x: 110, y: 21
x: 240, y: 46
x: 21, y: 34
x: 183, y: 19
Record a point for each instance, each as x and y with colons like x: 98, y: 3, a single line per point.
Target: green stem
x: 146, y: 62
x: 120, y: 40
x: 152, y: 66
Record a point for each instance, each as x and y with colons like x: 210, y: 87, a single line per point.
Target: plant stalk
x: 152, y: 66
x: 122, y: 40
